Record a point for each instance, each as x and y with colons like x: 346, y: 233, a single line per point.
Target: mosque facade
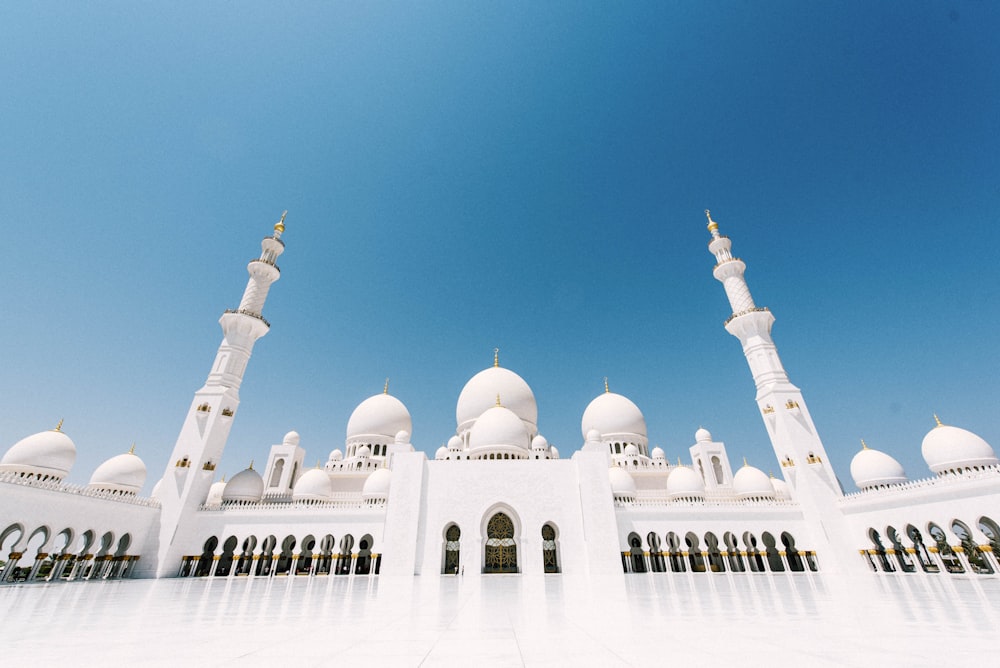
x: 498, y: 498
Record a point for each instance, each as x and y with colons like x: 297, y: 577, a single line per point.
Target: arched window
x: 774, y: 562
x: 501, y: 548
x: 637, y: 562
x: 923, y: 556
x: 325, y: 558
x: 452, y: 550
x: 344, y: 558
x: 991, y: 530
x: 226, y: 560
x: 792, y: 552
x: 207, y: 557
x: 363, y: 566
x: 245, y: 563
x: 733, y: 553
x: 902, y: 555
x: 550, y: 551
x: 303, y: 566
x: 715, y: 562
x: 279, y: 466
x: 717, y: 468
x: 951, y: 562
x: 284, y: 561
x: 977, y: 561
x: 656, y: 561
x: 695, y: 557
x: 676, y: 556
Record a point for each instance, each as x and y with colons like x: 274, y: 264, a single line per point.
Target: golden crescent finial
x: 131, y: 450
x: 496, y: 357
x: 606, y: 390
x: 936, y: 419
x: 708, y: 214
x: 713, y: 226
x: 864, y: 446
x: 385, y: 390
x: 279, y: 227
x: 58, y: 426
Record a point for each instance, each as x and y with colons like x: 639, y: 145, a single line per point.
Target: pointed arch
x: 502, y: 530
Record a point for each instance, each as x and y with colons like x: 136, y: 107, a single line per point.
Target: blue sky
x: 530, y: 176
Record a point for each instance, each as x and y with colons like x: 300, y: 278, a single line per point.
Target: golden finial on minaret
x: 385, y: 390
x: 496, y: 357
x: 498, y: 400
x: 279, y: 227
x: 712, y: 225
x: 864, y: 446
x: 58, y: 426
x: 131, y: 450
x: 936, y: 419
x: 606, y: 390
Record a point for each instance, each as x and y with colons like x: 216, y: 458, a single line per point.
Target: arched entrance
x: 501, y: 548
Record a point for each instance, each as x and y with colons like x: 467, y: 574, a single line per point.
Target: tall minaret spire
x: 190, y: 469
x: 790, y: 427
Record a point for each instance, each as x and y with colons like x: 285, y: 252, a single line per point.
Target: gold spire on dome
x: 58, y: 426
x: 385, y: 390
x: 499, y: 405
x: 745, y: 462
x: 279, y: 227
x: 223, y: 478
x: 606, y: 390
x: 317, y: 463
x: 251, y: 465
x: 496, y: 357
x: 864, y: 446
x: 679, y: 462
x: 712, y: 225
x: 936, y: 419
x: 131, y: 450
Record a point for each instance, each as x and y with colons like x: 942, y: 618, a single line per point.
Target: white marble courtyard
x: 661, y: 619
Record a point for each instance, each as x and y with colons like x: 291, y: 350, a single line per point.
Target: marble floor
x: 641, y: 619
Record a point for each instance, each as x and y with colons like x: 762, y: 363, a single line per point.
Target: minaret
x: 796, y: 444
x: 191, y: 467
x: 789, y: 425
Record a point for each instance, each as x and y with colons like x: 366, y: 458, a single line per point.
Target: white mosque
x: 498, y: 498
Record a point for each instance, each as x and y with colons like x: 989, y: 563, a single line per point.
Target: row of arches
x: 309, y: 556
x: 938, y: 554
x: 42, y: 555
x: 499, y: 550
x: 679, y: 554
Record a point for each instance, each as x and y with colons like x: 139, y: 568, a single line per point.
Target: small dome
x: 702, y: 435
x: 781, y: 489
x: 455, y: 444
x: 480, y: 394
x: 683, y: 482
x: 631, y: 450
x: 48, y: 453
x: 948, y: 448
x: 622, y: 484
x: 402, y: 437
x: 122, y: 473
x: 539, y: 443
x: 336, y: 455
x: 377, y: 485
x: 313, y: 485
x: 874, y: 468
x: 553, y: 452
x: 499, y: 426
x: 614, y: 416
x: 364, y: 452
x: 379, y: 415
x: 291, y: 438
x: 658, y: 454
x: 442, y: 453
x: 752, y: 483
x: 593, y: 436
x: 214, y: 493
x: 246, y: 487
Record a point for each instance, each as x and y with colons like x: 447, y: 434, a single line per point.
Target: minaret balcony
x: 757, y: 309
x: 243, y: 311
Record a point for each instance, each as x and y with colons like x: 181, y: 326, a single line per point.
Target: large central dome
x: 480, y: 394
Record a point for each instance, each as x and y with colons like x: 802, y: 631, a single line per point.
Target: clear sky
x: 530, y: 176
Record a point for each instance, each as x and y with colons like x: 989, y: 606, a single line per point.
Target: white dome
x: 314, y: 485
x: 402, y: 437
x: 553, y: 452
x: 336, y: 455
x: 377, y: 485
x: 702, y: 435
x: 781, y: 488
x: 683, y: 482
x: 50, y: 453
x: 539, y: 443
x: 214, y: 492
x: 658, y: 453
x: 380, y: 415
x: 291, y: 438
x: 946, y: 448
x: 246, y: 486
x: 454, y: 443
x: 593, y: 436
x: 122, y: 473
x: 752, y: 483
x: 364, y: 451
x: 614, y: 416
x: 497, y: 427
x: 622, y: 484
x: 480, y: 394
x: 631, y: 450
x: 442, y: 453
x: 873, y: 468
